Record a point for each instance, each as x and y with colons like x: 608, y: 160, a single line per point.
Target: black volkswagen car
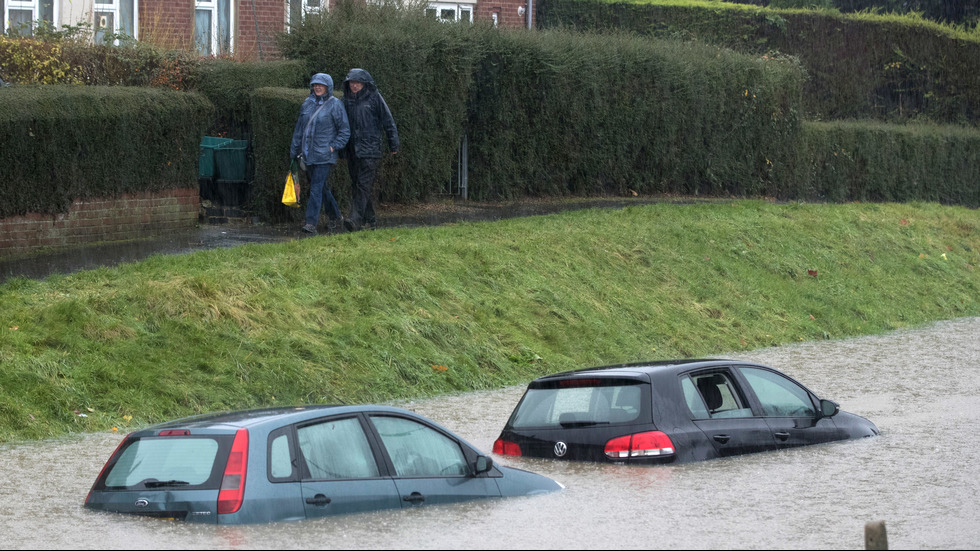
x: 671, y: 412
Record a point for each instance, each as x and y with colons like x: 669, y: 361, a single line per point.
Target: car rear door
x: 790, y: 410
x: 574, y: 418
x: 429, y: 466
x: 341, y: 472
x: 720, y: 409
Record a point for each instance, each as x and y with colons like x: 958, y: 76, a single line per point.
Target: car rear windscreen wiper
x: 162, y: 483
x: 572, y: 424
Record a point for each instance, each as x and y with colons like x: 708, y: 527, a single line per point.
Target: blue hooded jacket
x: 322, y: 124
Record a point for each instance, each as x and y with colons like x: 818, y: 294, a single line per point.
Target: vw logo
x: 142, y: 502
x: 561, y: 449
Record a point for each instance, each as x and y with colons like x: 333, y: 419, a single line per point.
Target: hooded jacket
x: 318, y: 129
x: 369, y: 116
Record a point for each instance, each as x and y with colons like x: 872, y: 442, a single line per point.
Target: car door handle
x: 722, y: 438
x: 319, y: 500
x: 414, y: 499
x: 781, y: 435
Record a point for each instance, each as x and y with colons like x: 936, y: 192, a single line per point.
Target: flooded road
x: 921, y: 476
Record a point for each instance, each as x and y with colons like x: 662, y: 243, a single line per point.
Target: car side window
x: 720, y: 395
x: 418, y: 450
x: 337, y: 449
x: 694, y: 402
x: 780, y: 396
x: 280, y: 458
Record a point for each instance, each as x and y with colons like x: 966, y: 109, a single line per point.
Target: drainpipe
x: 530, y: 12
x: 258, y: 39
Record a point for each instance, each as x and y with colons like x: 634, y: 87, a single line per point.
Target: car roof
x: 640, y: 369
x: 276, y: 416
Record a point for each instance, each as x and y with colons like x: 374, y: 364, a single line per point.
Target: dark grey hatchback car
x: 299, y: 462
x: 671, y: 412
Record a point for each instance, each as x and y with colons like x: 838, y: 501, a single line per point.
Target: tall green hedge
x: 274, y: 113
x: 555, y: 113
x: 887, y: 67
x: 229, y: 85
x: 870, y: 161
x: 61, y: 143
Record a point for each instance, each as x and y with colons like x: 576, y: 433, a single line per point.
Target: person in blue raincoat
x: 321, y: 132
x: 370, y: 119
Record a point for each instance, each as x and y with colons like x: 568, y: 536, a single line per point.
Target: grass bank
x: 375, y: 316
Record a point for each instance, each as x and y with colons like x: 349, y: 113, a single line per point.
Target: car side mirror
x: 829, y: 408
x: 482, y: 465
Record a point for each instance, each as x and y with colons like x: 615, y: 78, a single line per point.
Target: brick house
x: 244, y: 28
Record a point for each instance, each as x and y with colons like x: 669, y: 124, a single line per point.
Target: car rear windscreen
x: 165, y: 462
x: 580, y: 403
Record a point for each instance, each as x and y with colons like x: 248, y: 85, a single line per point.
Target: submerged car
x: 671, y: 412
x: 297, y: 463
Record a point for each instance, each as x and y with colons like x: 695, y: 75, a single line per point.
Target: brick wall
x: 170, y: 23
x: 167, y: 23
x: 127, y: 217
x: 271, y: 17
x: 508, y: 13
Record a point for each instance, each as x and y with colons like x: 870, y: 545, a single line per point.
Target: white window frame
x: 459, y: 8
x: 23, y: 5
x: 212, y: 6
x: 113, y: 7
x: 307, y: 9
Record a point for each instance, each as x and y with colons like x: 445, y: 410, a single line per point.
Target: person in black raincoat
x: 369, y: 118
x: 321, y: 132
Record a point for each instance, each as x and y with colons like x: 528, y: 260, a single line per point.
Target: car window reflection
x: 780, y: 397
x: 418, y: 450
x: 337, y: 449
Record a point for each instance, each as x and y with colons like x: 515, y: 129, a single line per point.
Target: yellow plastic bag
x: 290, y: 195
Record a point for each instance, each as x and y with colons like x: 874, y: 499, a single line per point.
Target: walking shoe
x: 310, y: 229
x: 349, y: 225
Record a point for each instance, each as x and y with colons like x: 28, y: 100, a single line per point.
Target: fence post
x: 875, y: 536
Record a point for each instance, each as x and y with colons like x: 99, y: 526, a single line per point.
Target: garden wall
x: 129, y: 216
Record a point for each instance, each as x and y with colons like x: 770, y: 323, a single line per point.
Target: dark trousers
x: 363, y: 172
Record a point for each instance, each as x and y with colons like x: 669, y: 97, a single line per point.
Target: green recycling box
x: 205, y: 166
x: 230, y: 159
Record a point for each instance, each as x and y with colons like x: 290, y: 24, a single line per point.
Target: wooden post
x: 874, y: 535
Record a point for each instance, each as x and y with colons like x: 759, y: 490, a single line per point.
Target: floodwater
x: 921, y: 476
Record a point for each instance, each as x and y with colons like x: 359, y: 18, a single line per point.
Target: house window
x: 213, y: 27
x: 299, y: 9
x: 20, y: 15
x: 450, y: 12
x: 115, y: 16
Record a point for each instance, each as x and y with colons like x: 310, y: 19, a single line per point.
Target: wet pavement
x: 206, y: 236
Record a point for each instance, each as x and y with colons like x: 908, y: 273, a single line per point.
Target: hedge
x: 559, y: 113
x: 229, y: 85
x: 886, y: 67
x: 872, y: 161
x: 62, y: 143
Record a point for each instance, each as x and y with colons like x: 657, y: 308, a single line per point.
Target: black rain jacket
x: 369, y: 117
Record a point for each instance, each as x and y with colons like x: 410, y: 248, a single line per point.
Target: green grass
x: 377, y: 316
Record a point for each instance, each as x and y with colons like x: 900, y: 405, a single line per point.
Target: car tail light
x: 104, y: 467
x: 643, y: 444
x: 503, y: 447
x: 233, y: 482
x: 181, y: 432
